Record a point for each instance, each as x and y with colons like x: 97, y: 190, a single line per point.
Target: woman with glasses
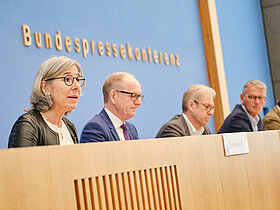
x: 55, y: 92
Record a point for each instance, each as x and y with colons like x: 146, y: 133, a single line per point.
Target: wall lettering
x: 124, y: 51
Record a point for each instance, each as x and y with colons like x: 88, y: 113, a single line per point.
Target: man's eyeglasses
x: 208, y: 107
x: 254, y: 98
x: 69, y: 80
x: 134, y: 96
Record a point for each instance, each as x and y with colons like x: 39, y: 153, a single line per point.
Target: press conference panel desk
x: 175, y: 173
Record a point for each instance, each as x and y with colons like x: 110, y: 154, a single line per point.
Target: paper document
x: 235, y: 143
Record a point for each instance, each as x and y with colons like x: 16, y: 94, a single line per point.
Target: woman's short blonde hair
x: 47, y: 70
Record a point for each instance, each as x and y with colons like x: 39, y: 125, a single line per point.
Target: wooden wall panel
x: 214, y: 59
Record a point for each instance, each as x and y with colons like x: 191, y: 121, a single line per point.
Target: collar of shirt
x: 278, y: 107
x: 63, y: 133
x: 193, y: 131
x: 254, y: 121
x: 116, y: 123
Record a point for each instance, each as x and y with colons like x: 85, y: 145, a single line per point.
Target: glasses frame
x: 254, y: 98
x: 208, y: 107
x: 134, y: 96
x: 78, y: 79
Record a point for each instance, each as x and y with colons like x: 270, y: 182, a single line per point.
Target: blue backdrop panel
x: 244, y: 47
x: 166, y: 26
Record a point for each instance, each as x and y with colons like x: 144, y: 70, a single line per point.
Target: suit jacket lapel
x: 185, y: 126
x: 240, y: 108
x: 129, y: 133
x: 106, y: 118
x: 260, y: 125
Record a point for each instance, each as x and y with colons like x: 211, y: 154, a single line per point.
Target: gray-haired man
x: 198, y: 106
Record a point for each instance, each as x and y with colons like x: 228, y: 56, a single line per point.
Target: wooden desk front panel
x: 177, y: 173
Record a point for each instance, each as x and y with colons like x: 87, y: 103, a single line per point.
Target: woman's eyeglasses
x: 69, y: 80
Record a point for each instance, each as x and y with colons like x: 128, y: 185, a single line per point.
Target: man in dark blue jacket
x: 122, y: 96
x: 245, y: 117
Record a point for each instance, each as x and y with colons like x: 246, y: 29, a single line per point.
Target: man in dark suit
x: 198, y: 106
x: 245, y: 117
x: 122, y: 96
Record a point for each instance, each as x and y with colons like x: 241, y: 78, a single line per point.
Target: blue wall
x: 244, y: 47
x: 166, y: 26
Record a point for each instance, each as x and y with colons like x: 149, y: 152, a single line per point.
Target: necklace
x: 60, y: 131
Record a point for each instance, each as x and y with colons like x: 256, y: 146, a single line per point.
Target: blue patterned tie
x: 125, y: 132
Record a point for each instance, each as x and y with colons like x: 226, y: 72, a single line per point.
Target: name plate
x: 235, y: 143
